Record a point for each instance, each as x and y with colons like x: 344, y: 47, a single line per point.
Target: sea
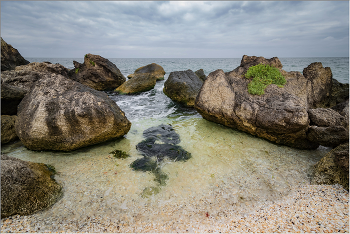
x: 227, y: 168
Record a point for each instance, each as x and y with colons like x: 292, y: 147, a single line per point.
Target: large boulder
x: 328, y: 127
x: 16, y: 83
x: 8, y: 131
x: 26, y: 187
x: 339, y: 94
x: 280, y: 115
x: 139, y: 83
x: 333, y: 168
x: 97, y: 72
x: 10, y: 57
x: 183, y: 87
x: 152, y: 69
x: 61, y: 114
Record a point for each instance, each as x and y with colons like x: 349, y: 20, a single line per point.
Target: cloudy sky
x: 191, y: 29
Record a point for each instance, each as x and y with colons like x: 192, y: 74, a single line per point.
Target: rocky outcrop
x: 339, y: 94
x: 26, y: 75
x: 139, y: 83
x: 333, y: 168
x: 61, y: 114
x: 10, y: 57
x: 26, y: 187
x: 183, y: 87
x: 8, y: 131
x: 328, y: 127
x: 153, y: 69
x: 280, y: 115
x: 97, y: 73
x: 201, y: 75
x: 11, y: 96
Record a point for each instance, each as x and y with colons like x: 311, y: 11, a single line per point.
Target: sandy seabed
x: 309, y: 208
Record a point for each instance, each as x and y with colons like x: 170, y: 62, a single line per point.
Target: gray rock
x: 201, y: 75
x: 10, y: 57
x: 154, y: 70
x: 280, y: 115
x: 97, y: 73
x: 8, y: 131
x: 325, y: 117
x: 139, y: 83
x: 61, y: 114
x: 26, y: 187
x: 333, y: 168
x: 11, y: 96
x: 328, y: 136
x: 183, y: 87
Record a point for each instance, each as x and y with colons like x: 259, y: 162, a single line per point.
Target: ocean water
x: 231, y: 169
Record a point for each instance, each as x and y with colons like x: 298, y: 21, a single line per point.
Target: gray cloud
x: 177, y: 29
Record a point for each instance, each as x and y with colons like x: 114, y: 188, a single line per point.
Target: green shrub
x: 76, y: 71
x: 86, y: 56
x: 92, y: 63
x: 263, y: 75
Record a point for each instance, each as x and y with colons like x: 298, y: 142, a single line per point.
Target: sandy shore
x: 310, y: 208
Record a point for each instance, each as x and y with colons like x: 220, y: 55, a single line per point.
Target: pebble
x: 309, y: 208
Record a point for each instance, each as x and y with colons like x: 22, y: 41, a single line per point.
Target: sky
x: 176, y: 29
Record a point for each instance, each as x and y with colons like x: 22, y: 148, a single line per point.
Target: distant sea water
x: 338, y: 65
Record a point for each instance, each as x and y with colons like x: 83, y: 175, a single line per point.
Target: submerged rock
x: 97, y: 73
x: 10, y: 57
x: 153, y: 70
x: 61, y: 114
x: 159, y: 145
x: 280, y: 115
x: 333, y: 168
x: 26, y: 187
x: 183, y: 87
x: 8, y: 131
x: 139, y: 83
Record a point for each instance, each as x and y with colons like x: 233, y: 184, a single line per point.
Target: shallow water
x: 229, y: 171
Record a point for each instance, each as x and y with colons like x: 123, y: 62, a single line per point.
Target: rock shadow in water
x: 160, y: 144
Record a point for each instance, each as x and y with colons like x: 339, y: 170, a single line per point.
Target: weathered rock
x: 339, y: 94
x: 327, y: 127
x: 61, y: 114
x: 139, y: 83
x: 280, y: 115
x: 10, y: 57
x: 153, y: 69
x: 26, y: 187
x: 97, y: 73
x: 325, y: 117
x: 8, y: 131
x: 11, y: 96
x: 343, y: 109
x: 26, y: 75
x: 183, y: 87
x: 333, y: 168
x: 201, y: 75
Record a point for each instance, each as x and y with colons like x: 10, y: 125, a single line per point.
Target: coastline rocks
x: 339, y: 94
x: 61, y: 114
x: 139, y: 83
x: 26, y: 187
x: 201, y: 75
x: 153, y: 69
x: 11, y: 96
x: 333, y: 168
x: 280, y: 115
x: 97, y: 73
x: 8, y: 131
x: 183, y: 87
x: 10, y: 57
x: 327, y: 127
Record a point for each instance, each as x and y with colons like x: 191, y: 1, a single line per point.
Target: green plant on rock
x: 263, y: 75
x: 92, y: 63
x: 76, y: 71
x: 86, y: 56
